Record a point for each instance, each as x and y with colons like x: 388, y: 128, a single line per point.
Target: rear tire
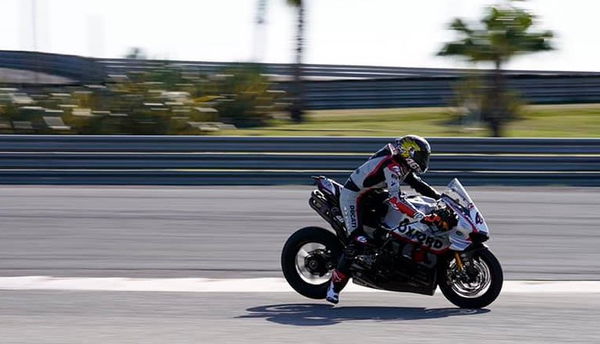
x: 289, y: 259
x: 494, y: 271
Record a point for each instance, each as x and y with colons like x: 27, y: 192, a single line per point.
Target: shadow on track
x: 323, y: 314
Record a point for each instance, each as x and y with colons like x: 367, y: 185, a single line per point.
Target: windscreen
x: 470, y: 218
x: 458, y: 193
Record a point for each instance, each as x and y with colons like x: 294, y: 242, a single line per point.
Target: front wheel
x: 477, y: 284
x: 307, y: 259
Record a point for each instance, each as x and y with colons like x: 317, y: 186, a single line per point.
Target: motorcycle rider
x: 397, y: 162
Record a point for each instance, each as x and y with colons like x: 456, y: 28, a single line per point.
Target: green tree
x: 503, y: 32
x: 297, y: 106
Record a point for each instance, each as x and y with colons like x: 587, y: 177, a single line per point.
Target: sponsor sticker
x: 353, y: 216
x: 422, y: 238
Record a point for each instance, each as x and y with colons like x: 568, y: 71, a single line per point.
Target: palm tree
x: 136, y: 54
x: 504, y: 32
x: 297, y: 107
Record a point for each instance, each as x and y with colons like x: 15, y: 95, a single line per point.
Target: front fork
x: 463, y: 268
x: 459, y: 262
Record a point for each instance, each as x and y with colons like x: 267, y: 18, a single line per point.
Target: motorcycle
x: 410, y: 257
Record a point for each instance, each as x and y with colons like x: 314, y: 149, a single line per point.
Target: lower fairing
x: 398, y: 285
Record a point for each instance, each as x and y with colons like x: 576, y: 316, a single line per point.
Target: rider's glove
x: 432, y: 219
x: 438, y: 221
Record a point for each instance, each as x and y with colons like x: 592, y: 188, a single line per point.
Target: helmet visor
x: 420, y: 161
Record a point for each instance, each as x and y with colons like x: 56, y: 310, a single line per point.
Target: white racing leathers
x: 382, y: 170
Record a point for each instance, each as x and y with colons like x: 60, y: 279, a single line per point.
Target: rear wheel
x: 477, y: 285
x: 307, y: 259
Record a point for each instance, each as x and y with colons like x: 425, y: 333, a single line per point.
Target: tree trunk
x: 297, y: 107
x: 497, y: 109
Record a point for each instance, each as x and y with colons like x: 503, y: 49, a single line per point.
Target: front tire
x: 479, y: 287
x: 307, y: 259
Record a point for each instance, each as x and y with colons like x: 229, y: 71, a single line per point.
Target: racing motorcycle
x: 412, y: 257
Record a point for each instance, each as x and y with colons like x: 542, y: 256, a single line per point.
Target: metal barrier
x: 315, y: 144
x: 334, y: 86
x: 192, y: 160
x: 123, y: 66
x: 369, y: 87
x: 77, y: 68
x: 439, y: 91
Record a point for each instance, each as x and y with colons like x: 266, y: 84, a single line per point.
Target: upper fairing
x: 458, y: 239
x: 469, y: 218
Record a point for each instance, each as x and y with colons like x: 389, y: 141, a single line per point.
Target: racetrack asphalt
x: 238, y: 232
x: 233, y: 232
x: 134, y: 317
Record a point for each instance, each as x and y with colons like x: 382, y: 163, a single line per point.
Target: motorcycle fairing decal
x: 463, y: 213
x: 478, y: 219
x: 403, y: 206
x: 412, y: 235
x: 457, y: 241
x: 353, y: 220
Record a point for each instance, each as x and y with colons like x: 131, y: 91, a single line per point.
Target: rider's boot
x: 338, y: 282
x: 341, y: 275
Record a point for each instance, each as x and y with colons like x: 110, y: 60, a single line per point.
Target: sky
x: 354, y: 32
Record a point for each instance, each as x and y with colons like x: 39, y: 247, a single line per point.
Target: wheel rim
x: 312, y: 264
x: 474, y: 281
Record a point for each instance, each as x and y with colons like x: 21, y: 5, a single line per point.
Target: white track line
x: 251, y: 285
